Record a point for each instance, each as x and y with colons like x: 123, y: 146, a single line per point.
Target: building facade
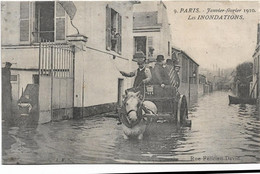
x: 255, y: 85
x: 205, y: 86
x: 89, y: 68
x: 152, y: 34
x: 189, y: 75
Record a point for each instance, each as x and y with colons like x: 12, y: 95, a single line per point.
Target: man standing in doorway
x: 6, y: 93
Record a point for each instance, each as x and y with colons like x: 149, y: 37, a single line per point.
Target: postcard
x: 130, y: 82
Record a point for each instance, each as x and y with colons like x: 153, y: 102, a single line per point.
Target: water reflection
x: 220, y: 133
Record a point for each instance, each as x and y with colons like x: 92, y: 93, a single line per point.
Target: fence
x: 56, y: 78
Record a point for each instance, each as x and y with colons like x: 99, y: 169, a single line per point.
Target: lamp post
x: 193, y: 76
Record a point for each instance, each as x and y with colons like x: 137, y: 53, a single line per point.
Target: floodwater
x: 219, y: 134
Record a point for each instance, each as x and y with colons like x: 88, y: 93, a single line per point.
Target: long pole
x: 189, y: 90
x: 73, y: 75
x: 39, y: 75
x: 258, y: 86
x: 51, y: 82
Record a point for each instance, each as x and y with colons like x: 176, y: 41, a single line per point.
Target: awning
x: 69, y: 7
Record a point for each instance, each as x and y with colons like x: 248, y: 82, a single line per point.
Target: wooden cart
x: 172, y: 106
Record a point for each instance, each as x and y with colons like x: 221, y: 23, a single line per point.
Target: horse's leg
x: 140, y: 137
x: 125, y: 137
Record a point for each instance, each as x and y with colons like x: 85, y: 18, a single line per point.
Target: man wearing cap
x: 142, y: 74
x: 161, y: 72
x: 174, y: 76
x: 6, y: 92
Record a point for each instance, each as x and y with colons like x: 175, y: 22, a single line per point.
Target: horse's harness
x: 124, y: 115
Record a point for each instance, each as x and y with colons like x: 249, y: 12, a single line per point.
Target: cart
x: 171, y: 105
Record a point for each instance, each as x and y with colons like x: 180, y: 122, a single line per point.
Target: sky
x: 222, y: 43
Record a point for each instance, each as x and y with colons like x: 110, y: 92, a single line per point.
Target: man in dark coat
x: 6, y: 93
x: 161, y: 72
x: 142, y: 74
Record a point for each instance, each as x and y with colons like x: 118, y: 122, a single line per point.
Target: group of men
x: 162, y: 74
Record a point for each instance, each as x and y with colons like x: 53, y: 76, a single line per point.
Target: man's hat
x: 160, y: 58
x: 140, y: 61
x: 8, y: 63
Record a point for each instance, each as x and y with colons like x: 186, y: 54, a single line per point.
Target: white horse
x: 134, y: 124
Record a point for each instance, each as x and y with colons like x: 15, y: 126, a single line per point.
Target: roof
x: 178, y: 50
x: 146, y: 19
x: 201, y: 75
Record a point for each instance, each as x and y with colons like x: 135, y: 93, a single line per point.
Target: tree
x: 243, y: 78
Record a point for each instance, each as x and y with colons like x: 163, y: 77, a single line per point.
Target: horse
x: 132, y: 116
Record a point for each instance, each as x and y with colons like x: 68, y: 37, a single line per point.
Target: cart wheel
x: 182, y: 113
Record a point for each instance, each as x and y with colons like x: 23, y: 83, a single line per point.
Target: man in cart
x: 174, y: 73
x: 161, y: 72
x: 174, y: 76
x: 142, y: 75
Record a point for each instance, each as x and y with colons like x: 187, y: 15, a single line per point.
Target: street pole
x: 51, y: 46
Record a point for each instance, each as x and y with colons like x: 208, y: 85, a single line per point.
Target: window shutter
x: 184, y: 69
x: 60, y: 22
x: 150, y: 42
x: 24, y: 21
x: 34, y: 24
x: 108, y: 28
x: 119, y: 45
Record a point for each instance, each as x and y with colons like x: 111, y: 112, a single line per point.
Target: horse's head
x: 132, y: 106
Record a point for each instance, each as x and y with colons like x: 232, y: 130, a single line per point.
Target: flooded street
x: 219, y: 134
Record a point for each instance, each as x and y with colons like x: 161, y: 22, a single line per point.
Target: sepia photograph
x: 130, y: 82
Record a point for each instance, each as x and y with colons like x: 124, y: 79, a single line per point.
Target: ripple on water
x: 218, y: 130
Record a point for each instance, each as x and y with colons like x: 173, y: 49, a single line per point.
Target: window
x: 47, y: 21
x: 14, y: 78
x: 140, y: 47
x: 113, y: 30
x: 150, y: 47
x: 143, y: 47
x: 35, y: 78
x: 202, y: 79
x: 192, y: 72
x: 44, y: 19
